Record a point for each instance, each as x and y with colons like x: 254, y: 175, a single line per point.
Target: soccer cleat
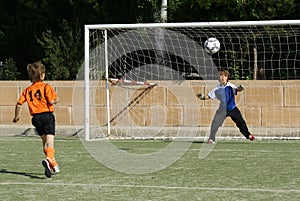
x: 53, y: 165
x: 47, y: 167
x: 56, y: 169
x: 251, y: 137
x: 210, y: 141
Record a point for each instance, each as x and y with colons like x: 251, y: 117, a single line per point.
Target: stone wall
x: 264, y: 104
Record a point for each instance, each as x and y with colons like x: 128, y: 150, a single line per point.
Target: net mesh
x: 265, y: 59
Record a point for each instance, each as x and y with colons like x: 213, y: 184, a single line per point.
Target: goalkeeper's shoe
x: 47, y: 167
x: 251, y: 137
x: 210, y: 141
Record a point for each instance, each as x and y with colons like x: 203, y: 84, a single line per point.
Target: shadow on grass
x: 27, y: 174
x: 198, y: 142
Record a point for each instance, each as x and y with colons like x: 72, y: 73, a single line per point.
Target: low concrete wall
x: 264, y: 104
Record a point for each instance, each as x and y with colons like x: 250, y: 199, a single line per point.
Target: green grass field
x: 234, y: 170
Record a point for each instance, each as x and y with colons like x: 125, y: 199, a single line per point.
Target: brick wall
x: 263, y: 103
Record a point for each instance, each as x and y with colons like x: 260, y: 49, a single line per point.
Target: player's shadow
x: 27, y: 174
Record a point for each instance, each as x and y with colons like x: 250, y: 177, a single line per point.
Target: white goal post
x: 141, y: 80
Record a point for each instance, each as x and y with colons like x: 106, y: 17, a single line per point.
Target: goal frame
x: 104, y: 27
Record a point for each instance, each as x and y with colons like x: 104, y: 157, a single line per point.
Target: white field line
x: 154, y: 187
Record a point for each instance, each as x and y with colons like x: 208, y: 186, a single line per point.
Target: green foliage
x: 8, y: 70
x: 58, y: 24
x: 226, y: 10
x: 63, y: 53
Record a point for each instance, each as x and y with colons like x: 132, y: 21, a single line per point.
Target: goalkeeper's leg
x: 237, y: 117
x: 216, y: 124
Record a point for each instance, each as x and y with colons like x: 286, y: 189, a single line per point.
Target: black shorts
x: 44, y: 123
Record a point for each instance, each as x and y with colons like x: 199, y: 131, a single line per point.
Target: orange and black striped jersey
x: 38, y: 97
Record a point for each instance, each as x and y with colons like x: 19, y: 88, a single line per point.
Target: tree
x: 63, y: 53
x: 8, y: 70
x: 229, y: 10
x: 20, y: 22
x: 30, y: 28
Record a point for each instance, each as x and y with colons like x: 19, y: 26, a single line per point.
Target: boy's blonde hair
x: 35, y: 71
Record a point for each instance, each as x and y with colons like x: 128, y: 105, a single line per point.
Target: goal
x: 141, y: 80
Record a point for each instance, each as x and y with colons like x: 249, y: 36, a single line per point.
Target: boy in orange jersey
x: 40, y: 98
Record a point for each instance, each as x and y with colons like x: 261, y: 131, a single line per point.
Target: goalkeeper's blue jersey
x: 226, y: 95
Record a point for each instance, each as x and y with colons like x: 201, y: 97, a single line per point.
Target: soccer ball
x: 212, y: 45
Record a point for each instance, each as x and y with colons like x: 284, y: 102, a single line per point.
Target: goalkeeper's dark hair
x: 35, y: 71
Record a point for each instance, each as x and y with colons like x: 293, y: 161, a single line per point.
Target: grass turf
x: 234, y: 170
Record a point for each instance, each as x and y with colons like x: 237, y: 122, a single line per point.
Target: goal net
x: 141, y: 80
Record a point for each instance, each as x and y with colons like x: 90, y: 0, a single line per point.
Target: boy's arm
x: 17, y: 113
x: 51, y: 95
x: 54, y: 101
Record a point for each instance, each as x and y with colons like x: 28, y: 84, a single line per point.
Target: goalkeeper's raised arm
x: 240, y: 88
x: 203, y: 96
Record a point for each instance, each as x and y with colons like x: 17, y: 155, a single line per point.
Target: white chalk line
x: 154, y: 187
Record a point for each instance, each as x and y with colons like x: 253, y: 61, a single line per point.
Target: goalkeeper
x: 40, y: 98
x: 225, y: 92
